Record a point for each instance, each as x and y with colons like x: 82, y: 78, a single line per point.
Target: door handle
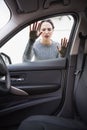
x: 17, y: 79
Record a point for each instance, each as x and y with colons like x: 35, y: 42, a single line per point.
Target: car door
x: 44, y: 81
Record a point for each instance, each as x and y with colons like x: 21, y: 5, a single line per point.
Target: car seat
x: 45, y: 122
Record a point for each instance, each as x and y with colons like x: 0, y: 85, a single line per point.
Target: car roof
x: 22, y: 13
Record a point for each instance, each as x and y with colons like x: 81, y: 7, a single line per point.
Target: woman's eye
x: 49, y: 29
x: 43, y: 29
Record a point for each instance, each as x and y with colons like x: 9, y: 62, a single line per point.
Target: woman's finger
x: 35, y: 26
x: 38, y: 26
x: 30, y: 27
x: 61, y: 41
x: 39, y: 34
x: 64, y: 42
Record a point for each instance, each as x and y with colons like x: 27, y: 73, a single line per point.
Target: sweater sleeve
x: 28, y: 53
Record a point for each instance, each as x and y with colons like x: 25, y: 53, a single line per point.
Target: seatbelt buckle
x: 77, y: 72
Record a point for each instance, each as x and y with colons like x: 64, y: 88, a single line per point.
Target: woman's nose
x: 46, y: 31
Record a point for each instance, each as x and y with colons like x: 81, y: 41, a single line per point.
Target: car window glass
x: 4, y: 13
x: 15, y: 47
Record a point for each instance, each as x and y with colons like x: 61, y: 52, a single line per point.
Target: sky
x: 4, y: 14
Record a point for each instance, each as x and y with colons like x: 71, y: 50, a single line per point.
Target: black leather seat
x: 59, y: 123
x: 51, y: 123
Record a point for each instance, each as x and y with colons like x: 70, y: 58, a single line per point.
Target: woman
x: 44, y: 48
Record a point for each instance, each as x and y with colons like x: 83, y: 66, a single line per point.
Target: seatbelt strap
x: 80, y: 58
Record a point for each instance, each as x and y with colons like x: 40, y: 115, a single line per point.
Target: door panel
x: 38, y: 77
x: 44, y: 83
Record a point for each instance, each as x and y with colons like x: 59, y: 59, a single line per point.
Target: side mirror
x: 6, y: 58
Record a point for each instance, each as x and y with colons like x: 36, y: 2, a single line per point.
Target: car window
x: 4, y: 13
x: 15, y: 47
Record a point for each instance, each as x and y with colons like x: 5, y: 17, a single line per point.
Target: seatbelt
x: 80, y: 59
x: 68, y: 111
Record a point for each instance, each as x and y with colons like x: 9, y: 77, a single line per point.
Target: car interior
x: 47, y: 94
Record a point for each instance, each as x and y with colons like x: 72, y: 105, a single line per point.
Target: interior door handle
x: 17, y: 79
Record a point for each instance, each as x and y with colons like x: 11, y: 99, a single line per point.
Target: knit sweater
x: 39, y: 51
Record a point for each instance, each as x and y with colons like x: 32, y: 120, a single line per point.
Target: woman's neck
x: 46, y: 42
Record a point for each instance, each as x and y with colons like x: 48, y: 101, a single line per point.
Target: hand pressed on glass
x: 43, y: 48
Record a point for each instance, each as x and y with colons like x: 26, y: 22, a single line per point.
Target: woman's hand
x: 34, y: 31
x: 63, y: 48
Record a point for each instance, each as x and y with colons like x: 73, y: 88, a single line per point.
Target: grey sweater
x: 40, y: 51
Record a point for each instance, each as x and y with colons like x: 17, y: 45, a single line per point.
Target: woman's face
x: 46, y: 31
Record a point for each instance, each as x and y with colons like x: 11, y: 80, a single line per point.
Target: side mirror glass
x: 6, y: 58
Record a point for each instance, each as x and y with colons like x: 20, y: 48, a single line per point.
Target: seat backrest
x: 80, y: 94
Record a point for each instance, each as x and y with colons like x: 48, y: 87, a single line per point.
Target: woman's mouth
x: 46, y: 36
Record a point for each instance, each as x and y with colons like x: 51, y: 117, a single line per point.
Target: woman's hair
x: 46, y: 20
